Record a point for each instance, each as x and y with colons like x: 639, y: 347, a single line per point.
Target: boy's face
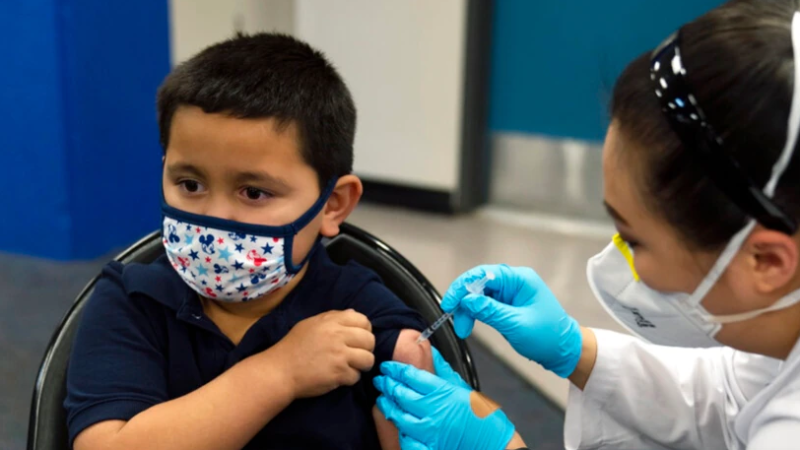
x: 246, y: 170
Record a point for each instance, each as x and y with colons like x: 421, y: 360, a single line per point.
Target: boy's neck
x: 252, y: 309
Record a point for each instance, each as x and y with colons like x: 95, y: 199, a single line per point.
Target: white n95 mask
x: 231, y: 261
x: 674, y: 319
x: 659, y: 318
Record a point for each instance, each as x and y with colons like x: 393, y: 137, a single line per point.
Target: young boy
x: 245, y: 334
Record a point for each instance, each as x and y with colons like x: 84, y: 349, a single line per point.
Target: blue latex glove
x: 434, y: 412
x: 521, y: 307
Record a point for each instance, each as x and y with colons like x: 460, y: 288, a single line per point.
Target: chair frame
x: 136, y: 249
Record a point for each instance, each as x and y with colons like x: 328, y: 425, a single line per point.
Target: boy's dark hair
x: 269, y: 75
x: 740, y: 65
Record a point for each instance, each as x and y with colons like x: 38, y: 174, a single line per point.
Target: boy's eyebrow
x: 239, y: 177
x: 261, y: 177
x: 184, y: 168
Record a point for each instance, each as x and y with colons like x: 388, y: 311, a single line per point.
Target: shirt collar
x: 159, y: 281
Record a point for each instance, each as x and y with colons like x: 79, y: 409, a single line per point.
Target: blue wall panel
x: 34, y: 215
x: 113, y: 68
x: 78, y: 133
x: 554, y: 63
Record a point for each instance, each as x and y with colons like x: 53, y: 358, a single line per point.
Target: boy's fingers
x: 351, y: 377
x: 351, y: 318
x: 361, y: 360
x: 359, y: 338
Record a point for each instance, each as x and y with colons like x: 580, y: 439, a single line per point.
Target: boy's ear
x: 342, y: 202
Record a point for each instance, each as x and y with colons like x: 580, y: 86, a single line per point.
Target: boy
x: 245, y: 334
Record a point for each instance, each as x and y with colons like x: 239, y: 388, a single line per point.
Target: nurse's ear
x: 773, y: 260
x: 341, y: 203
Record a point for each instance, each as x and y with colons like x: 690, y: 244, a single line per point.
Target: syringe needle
x: 474, y: 288
x: 435, y: 326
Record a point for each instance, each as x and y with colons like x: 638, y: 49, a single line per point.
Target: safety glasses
x: 690, y: 124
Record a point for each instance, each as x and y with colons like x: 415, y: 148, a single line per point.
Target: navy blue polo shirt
x: 144, y: 340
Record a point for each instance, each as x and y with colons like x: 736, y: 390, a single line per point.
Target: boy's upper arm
x: 396, y: 328
x: 389, y: 316
x: 117, y: 366
x: 408, y: 351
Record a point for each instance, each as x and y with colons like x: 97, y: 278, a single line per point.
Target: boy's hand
x: 326, y: 351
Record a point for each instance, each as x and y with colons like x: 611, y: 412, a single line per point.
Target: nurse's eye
x: 255, y: 194
x: 632, y: 243
x: 191, y: 186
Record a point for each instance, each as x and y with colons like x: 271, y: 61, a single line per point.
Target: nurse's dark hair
x: 740, y: 65
x: 269, y: 75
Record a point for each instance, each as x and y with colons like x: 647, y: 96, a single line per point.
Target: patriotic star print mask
x: 232, y: 261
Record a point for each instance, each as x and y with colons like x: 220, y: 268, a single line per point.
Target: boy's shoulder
x: 346, y: 279
x: 141, y: 289
x: 355, y: 286
x: 327, y: 285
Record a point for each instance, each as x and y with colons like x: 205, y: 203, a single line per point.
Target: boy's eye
x: 255, y: 194
x: 191, y: 186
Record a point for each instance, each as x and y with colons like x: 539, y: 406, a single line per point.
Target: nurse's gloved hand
x: 434, y: 412
x: 519, y: 305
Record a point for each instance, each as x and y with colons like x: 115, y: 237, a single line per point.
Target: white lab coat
x: 642, y: 396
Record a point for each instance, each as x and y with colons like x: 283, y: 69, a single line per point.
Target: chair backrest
x: 47, y: 429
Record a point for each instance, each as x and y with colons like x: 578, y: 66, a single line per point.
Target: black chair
x: 47, y: 428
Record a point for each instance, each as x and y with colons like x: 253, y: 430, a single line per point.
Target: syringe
x: 476, y: 287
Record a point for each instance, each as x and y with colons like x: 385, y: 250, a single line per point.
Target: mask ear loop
x: 778, y: 169
x: 299, y: 224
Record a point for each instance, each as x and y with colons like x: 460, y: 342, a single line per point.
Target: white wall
x: 403, y: 61
x: 196, y: 24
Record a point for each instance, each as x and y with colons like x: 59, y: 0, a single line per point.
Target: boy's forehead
x: 251, y: 150
x: 193, y: 120
x: 195, y: 133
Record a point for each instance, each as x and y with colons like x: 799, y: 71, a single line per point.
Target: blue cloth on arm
x: 144, y: 340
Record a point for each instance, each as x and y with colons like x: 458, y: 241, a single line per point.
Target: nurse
x: 702, y: 180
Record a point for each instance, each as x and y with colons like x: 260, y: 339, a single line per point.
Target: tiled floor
x: 34, y: 294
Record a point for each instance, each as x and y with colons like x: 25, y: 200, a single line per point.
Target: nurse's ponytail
x: 740, y: 64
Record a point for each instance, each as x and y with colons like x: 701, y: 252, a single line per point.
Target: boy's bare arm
x: 407, y: 351
x: 226, y: 413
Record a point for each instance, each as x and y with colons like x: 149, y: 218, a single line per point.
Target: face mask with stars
x: 231, y: 261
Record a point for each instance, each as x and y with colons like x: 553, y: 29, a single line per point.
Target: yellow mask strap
x: 622, y: 246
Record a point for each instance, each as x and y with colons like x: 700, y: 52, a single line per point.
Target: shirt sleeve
x: 778, y: 426
x: 116, y: 369
x: 388, y: 315
x: 641, y: 395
